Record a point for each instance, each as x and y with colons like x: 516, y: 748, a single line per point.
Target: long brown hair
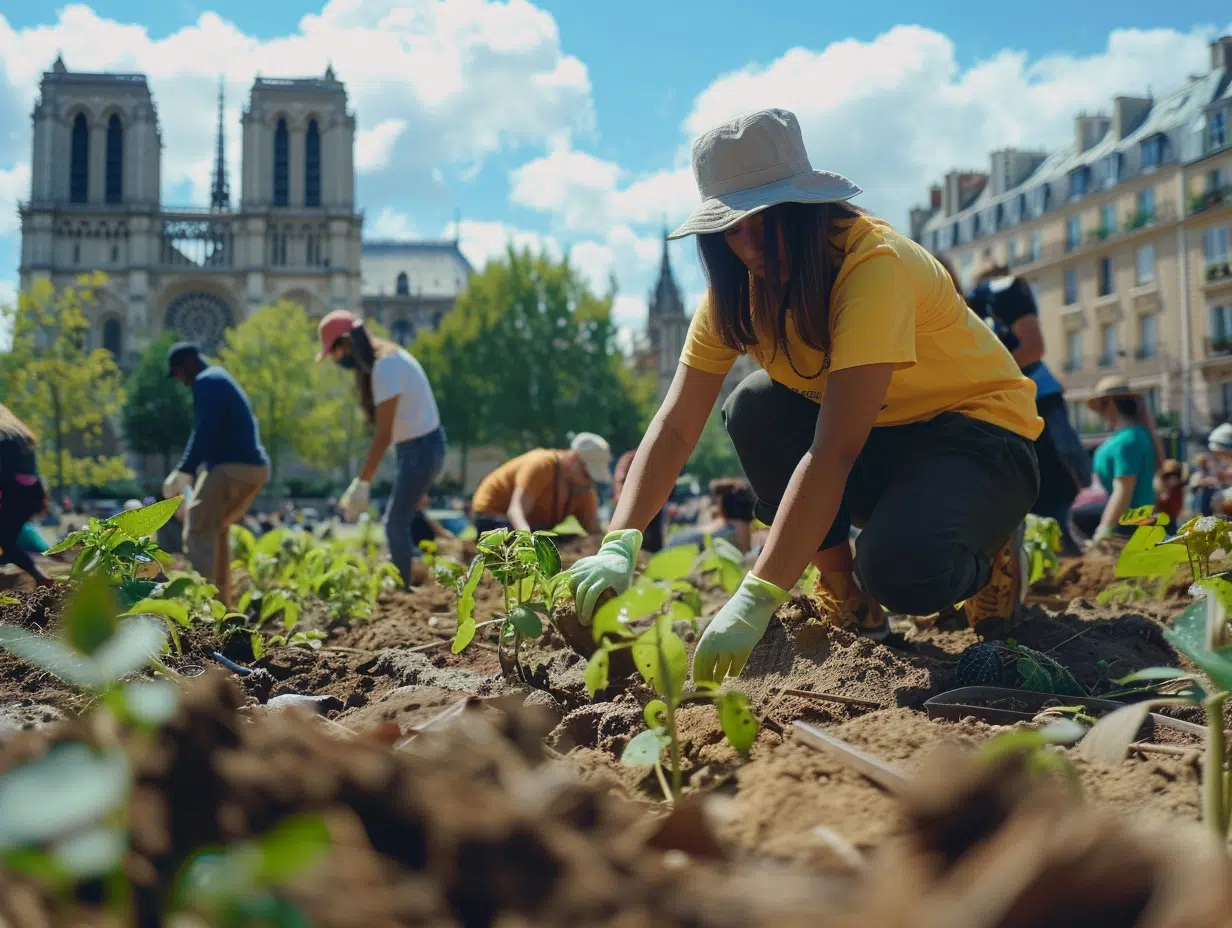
x: 743, y: 305
x: 10, y: 425
x: 367, y: 349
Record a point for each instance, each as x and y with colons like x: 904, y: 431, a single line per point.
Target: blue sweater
x: 224, y: 428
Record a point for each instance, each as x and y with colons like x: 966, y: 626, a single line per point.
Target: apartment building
x: 1125, y: 236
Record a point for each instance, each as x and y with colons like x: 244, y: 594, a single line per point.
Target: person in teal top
x: 1125, y: 463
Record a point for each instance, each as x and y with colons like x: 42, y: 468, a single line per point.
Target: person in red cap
x: 400, y: 407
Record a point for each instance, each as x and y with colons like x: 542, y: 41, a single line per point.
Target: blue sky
x: 566, y: 123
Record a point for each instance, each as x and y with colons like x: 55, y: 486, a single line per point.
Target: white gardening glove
x: 355, y: 499
x: 610, y: 569
x: 728, y: 640
x: 176, y: 483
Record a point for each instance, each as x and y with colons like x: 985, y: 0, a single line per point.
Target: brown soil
x: 1087, y: 577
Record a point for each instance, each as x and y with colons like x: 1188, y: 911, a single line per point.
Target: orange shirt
x: 537, y: 474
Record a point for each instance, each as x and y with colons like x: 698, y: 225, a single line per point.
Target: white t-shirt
x: 400, y: 375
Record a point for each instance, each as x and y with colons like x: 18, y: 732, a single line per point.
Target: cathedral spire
x: 220, y: 191
x: 665, y: 301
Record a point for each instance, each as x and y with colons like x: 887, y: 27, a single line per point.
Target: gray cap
x: 1221, y: 438
x: 181, y: 352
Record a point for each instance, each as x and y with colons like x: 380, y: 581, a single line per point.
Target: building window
x: 1217, y: 130
x: 115, y: 254
x: 1107, y: 280
x: 1073, y: 232
x: 1108, y: 344
x: 1214, y: 180
x: 312, y: 245
x: 1018, y: 208
x: 1145, y: 267
x: 966, y: 229
x: 113, y: 189
x: 1221, y: 329
x: 282, y: 164
x: 1077, y: 415
x: 1011, y: 251
x: 1225, y: 400
x: 1108, y: 171
x: 1036, y: 241
x: 113, y: 337
x: 1038, y: 200
x: 79, y: 162
x: 1215, y: 244
x: 403, y: 286
x: 1153, y: 152
x: 1071, y: 286
x: 1107, y: 220
x: 1078, y: 183
x: 966, y: 271
x: 1073, y: 351
x: 312, y: 165
x: 1151, y: 395
x: 76, y: 253
x: 1146, y: 205
x: 1148, y: 336
x: 278, y: 247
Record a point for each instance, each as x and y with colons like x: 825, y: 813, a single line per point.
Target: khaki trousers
x: 219, y: 500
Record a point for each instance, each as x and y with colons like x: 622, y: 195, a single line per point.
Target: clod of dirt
x: 35, y: 608
x: 581, y: 640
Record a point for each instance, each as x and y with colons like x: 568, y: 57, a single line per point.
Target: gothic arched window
x: 403, y: 286
x: 282, y: 164
x: 113, y: 189
x: 79, y: 162
x: 113, y: 337
x: 312, y: 165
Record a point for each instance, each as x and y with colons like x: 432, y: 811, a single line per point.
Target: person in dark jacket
x: 1005, y: 302
x: 226, y: 442
x: 22, y: 494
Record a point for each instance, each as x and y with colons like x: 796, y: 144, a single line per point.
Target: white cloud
x: 482, y: 240
x: 390, y: 223
x: 373, y: 147
x: 14, y: 186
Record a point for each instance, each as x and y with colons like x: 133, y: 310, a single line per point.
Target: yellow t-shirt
x: 893, y: 303
x: 535, y: 472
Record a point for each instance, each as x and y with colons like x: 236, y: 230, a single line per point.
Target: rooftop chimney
x: 934, y: 196
x: 1128, y: 114
x: 1088, y: 130
x: 1221, y: 53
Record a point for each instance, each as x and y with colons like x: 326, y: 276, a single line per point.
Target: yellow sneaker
x: 842, y: 603
x: 1006, y: 590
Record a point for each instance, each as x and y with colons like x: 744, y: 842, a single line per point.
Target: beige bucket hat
x: 754, y: 162
x: 1111, y: 387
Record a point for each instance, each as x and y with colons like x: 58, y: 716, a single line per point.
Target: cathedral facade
x: 96, y: 204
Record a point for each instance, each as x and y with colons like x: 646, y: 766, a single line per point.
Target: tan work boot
x: 842, y: 603
x: 1006, y: 589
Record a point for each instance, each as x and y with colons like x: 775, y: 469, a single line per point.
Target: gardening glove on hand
x: 176, y: 483
x: 1102, y: 533
x: 729, y: 638
x: 610, y: 569
x: 355, y: 499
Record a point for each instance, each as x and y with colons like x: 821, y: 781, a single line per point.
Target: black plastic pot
x: 962, y: 703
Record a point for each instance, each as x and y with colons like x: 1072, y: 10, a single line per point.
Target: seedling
x: 445, y: 570
x: 121, y: 549
x: 527, y: 566
x: 1042, y: 542
x: 1111, y: 737
x: 994, y: 664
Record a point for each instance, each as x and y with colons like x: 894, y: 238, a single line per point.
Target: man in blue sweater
x: 227, y: 442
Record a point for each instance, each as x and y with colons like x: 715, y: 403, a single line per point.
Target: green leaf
x: 70, y: 541
x: 94, y: 852
x: 571, y: 526
x: 91, y: 616
x: 596, y: 675
x: 153, y: 703
x: 725, y: 550
x: 1152, y: 673
x: 132, y: 592
x: 65, y: 790
x: 681, y: 611
x: 1109, y: 739
x: 1220, y: 588
x: 177, y: 587
x: 290, y: 615
x: 464, y: 636
x: 466, y: 591
x: 1144, y: 556
x: 258, y: 645
x: 672, y: 563
x: 137, y: 641
x: 52, y: 655
x: 661, y: 658
x: 292, y: 847
x: 637, y: 602
x: 644, y: 749
x: 176, y: 612
x: 737, y: 720
x: 655, y: 714
x: 546, y: 554
x: 146, y: 521
x: 1188, y: 635
x: 687, y: 594
x: 526, y: 621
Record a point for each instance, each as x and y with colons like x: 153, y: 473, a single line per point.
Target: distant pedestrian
x: 226, y: 442
x: 400, y: 407
x: 22, y: 495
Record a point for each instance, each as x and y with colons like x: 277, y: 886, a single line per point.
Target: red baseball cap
x: 332, y: 327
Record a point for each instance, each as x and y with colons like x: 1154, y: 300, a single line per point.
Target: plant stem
x: 667, y: 793
x: 1214, y: 800
x: 674, y: 750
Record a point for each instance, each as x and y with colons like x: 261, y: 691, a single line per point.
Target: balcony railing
x: 1208, y: 199
x: 1218, y: 270
x: 1143, y: 359
x: 1163, y: 213
x: 1218, y: 345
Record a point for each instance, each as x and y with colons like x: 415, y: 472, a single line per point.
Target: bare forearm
x: 659, y: 460
x: 805, y: 515
x: 1117, y: 506
x: 1025, y: 355
x: 372, y: 463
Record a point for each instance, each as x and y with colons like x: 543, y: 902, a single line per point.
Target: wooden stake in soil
x: 834, y: 697
x: 885, y: 775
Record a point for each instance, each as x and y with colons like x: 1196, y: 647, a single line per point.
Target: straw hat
x: 754, y: 162
x: 1111, y: 387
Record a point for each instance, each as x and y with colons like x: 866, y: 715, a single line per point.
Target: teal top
x: 1128, y: 452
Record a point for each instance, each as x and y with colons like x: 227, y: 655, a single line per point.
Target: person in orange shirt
x: 882, y: 402
x: 538, y: 490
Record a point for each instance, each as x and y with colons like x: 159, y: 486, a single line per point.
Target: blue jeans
x: 419, y: 462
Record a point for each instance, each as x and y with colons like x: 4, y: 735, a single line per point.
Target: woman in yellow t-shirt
x: 882, y: 401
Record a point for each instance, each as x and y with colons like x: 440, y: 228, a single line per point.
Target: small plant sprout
x: 527, y: 566
x: 1109, y: 740
x: 1042, y: 542
x: 445, y: 570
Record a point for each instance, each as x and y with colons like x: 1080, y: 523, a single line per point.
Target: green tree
x: 66, y: 392
x: 714, y: 456
x: 272, y: 355
x: 158, y: 410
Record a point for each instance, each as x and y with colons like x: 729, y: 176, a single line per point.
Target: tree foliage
x: 158, y: 410
x: 529, y: 356
x: 64, y: 390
